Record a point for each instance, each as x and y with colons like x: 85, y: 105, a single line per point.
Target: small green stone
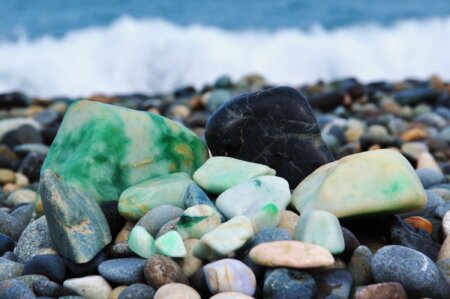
x: 168, y: 189
x: 221, y: 173
x: 141, y: 242
x: 170, y: 244
x: 198, y: 220
x: 264, y: 215
x: 321, y: 228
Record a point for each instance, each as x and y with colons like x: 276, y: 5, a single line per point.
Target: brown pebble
x: 387, y: 290
x: 124, y: 233
x: 413, y: 134
x: 160, y: 270
x: 7, y: 176
x: 420, y: 222
x: 10, y: 187
x: 116, y: 292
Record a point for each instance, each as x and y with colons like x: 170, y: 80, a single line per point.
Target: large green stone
x: 374, y: 182
x: 76, y: 223
x: 104, y: 149
x: 168, y: 189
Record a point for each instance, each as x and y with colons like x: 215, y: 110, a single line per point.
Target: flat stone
x: 145, y: 146
x: 10, y: 269
x: 221, y: 173
x: 334, y: 283
x: 51, y: 266
x: 275, y: 127
x: 90, y: 287
x: 77, y: 225
x: 176, y: 291
x: 34, y: 238
x: 197, y: 221
x: 170, y: 244
x: 415, y: 271
x: 190, y: 263
x: 168, y: 189
x: 293, y: 254
x: 160, y: 270
x: 123, y: 271
x: 225, y: 239
x: 153, y: 220
x: 321, y: 228
x: 289, y: 283
x: 13, y: 288
x: 382, y: 181
x: 381, y: 291
x: 138, y: 291
x: 288, y: 222
x: 264, y: 189
x: 359, y: 266
x: 230, y: 275
x: 141, y: 242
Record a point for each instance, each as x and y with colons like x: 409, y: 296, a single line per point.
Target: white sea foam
x: 154, y: 55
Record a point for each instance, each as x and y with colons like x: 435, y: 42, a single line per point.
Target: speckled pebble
x: 123, y: 271
x: 138, y: 291
x: 51, y: 266
x: 160, y: 270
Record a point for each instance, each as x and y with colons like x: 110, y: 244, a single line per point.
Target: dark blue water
x: 35, y: 18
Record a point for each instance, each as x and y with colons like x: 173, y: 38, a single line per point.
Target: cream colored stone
x: 21, y: 180
x: 90, y: 287
x: 21, y: 196
x: 426, y: 160
x: 176, y: 291
x: 444, y: 252
x: 7, y: 176
x: 292, y: 254
x: 116, y: 292
x: 288, y: 222
x: 124, y: 233
x: 446, y: 224
x: 230, y: 295
x: 190, y: 263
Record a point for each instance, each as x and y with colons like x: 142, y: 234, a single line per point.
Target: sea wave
x: 153, y: 55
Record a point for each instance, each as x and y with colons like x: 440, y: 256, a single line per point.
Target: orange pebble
x: 420, y: 222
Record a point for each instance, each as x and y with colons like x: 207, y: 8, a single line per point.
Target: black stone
x: 6, y: 244
x: 85, y: 269
x: 351, y: 243
x: 49, y: 133
x: 283, y: 283
x: 327, y: 101
x: 22, y: 135
x: 275, y: 127
x: 198, y: 282
x: 138, y: 291
x: 334, y: 283
x: 406, y: 235
x: 417, y: 95
x: 49, y: 265
x: 13, y: 100
x: 114, y: 219
x: 31, y: 166
x: 46, y: 288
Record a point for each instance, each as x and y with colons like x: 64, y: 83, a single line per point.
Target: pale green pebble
x: 198, y: 220
x: 169, y: 189
x: 321, y: 228
x: 141, y: 242
x: 170, y: 244
x: 264, y: 215
x: 221, y: 173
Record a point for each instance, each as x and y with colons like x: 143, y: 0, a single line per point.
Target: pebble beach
x: 238, y: 189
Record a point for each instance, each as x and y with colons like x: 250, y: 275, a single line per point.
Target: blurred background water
x: 80, y: 47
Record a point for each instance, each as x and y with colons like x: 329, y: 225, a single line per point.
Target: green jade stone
x: 141, y: 242
x: 221, y: 173
x: 321, y: 228
x: 77, y: 226
x: 170, y: 244
x: 264, y: 215
x: 104, y: 149
x: 198, y: 220
x: 168, y: 189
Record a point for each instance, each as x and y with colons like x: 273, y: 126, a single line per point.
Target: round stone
x: 51, y: 266
x: 34, y: 237
x: 160, y: 270
x: 230, y: 275
x: 293, y: 254
x: 415, y: 271
x: 90, y: 287
x: 21, y: 196
x: 138, y: 291
x: 176, y: 291
x: 7, y: 176
x: 123, y: 271
x: 283, y: 283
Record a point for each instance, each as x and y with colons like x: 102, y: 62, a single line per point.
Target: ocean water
x: 80, y: 47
